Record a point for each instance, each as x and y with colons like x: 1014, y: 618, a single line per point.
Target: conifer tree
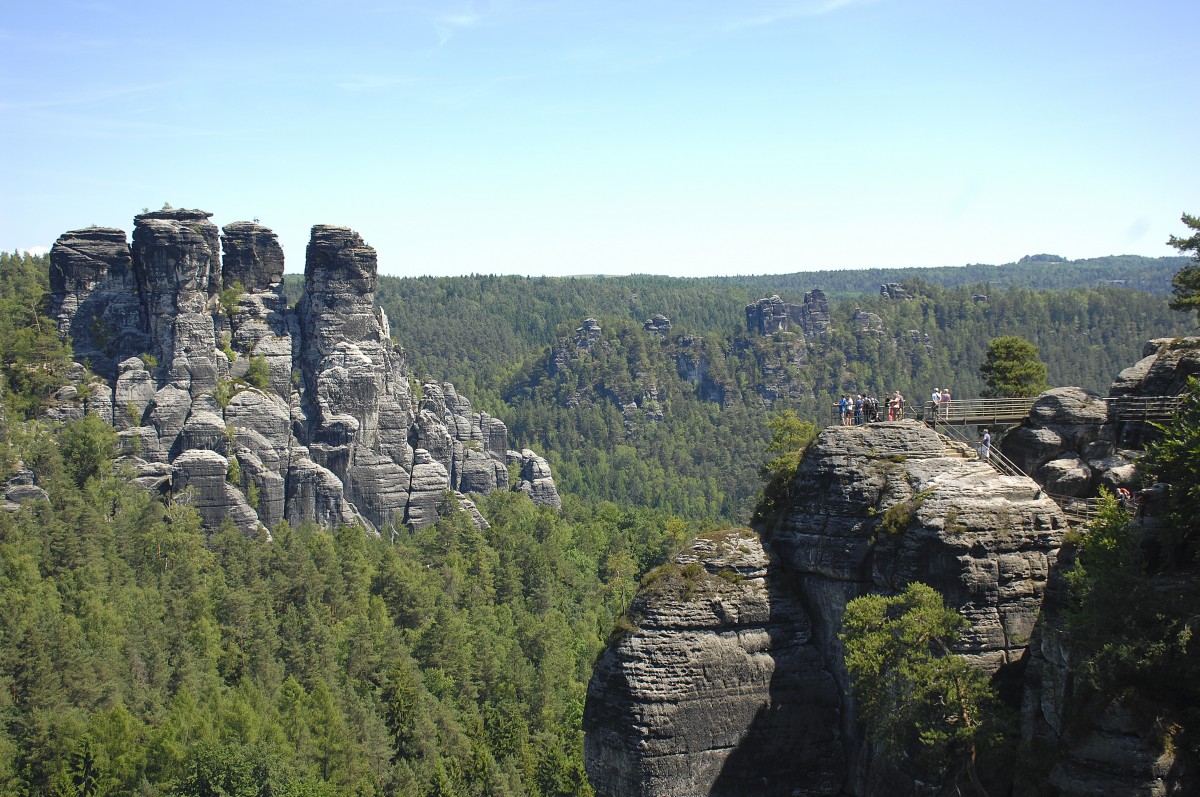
x: 1186, y: 283
x: 1012, y: 369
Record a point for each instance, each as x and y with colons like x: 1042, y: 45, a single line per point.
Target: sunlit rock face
x: 732, y: 682
x: 259, y: 411
x: 719, y: 690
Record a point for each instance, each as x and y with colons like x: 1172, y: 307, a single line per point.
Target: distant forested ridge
x: 676, y: 417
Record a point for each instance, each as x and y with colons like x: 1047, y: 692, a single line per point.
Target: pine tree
x: 1186, y: 283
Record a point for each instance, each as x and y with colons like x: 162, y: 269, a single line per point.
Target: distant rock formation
x: 771, y: 315
x: 260, y: 411
x: 868, y: 322
x: 659, y: 324
x: 894, y: 291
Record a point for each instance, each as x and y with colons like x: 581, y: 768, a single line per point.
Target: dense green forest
x: 140, y: 655
x: 678, y: 420
x: 472, y: 330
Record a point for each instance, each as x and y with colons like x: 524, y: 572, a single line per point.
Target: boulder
x: 1068, y: 476
x: 1071, y: 406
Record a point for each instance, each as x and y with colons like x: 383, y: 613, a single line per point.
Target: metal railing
x: 969, y: 411
x: 965, y: 412
x: 1144, y: 408
x: 999, y: 462
x: 1078, y: 511
x: 835, y: 415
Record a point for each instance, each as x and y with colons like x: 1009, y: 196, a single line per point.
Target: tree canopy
x: 1185, y: 285
x: 916, y: 697
x: 1012, y: 368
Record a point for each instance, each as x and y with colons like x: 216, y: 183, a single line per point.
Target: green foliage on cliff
x: 1135, y: 594
x: 790, y: 438
x: 917, y: 698
x: 1131, y: 630
x: 1175, y: 458
x: 1185, y: 285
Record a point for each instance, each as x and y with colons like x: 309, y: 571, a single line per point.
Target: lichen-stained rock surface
x: 872, y: 509
x: 267, y: 412
x: 718, y: 689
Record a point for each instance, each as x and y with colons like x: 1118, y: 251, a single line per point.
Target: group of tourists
x: 859, y: 409
x: 941, y: 399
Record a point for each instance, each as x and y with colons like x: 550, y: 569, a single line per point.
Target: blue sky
x: 547, y: 137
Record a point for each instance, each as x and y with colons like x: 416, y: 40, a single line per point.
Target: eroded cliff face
x: 735, y: 685
x: 261, y: 411
x: 719, y: 689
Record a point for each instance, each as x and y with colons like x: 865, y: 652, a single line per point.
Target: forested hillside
x: 140, y: 655
x: 471, y: 330
x: 676, y: 419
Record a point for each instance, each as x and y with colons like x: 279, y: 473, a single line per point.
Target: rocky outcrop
x: 873, y: 509
x: 1163, y: 370
x: 260, y: 411
x: 894, y: 291
x: 94, y: 298
x: 717, y: 689
x: 659, y: 325
x: 772, y: 315
x: 536, y: 481
x: 1076, y: 442
x: 20, y: 489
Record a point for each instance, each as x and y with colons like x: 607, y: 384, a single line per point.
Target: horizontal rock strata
x: 261, y: 411
x: 733, y: 682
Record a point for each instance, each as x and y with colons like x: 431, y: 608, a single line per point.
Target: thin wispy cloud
x: 83, y: 98
x: 474, y: 14
x: 785, y: 12
x: 364, y: 84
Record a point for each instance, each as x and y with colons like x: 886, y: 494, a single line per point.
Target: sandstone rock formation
x: 688, y: 703
x: 265, y: 412
x: 718, y: 689
x: 771, y: 315
x: 1076, y: 442
x: 659, y: 325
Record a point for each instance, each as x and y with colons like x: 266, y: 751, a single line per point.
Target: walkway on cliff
x: 949, y: 421
x: 975, y: 412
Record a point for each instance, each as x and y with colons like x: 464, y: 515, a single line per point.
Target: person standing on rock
x: 985, y: 446
x: 894, y: 406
